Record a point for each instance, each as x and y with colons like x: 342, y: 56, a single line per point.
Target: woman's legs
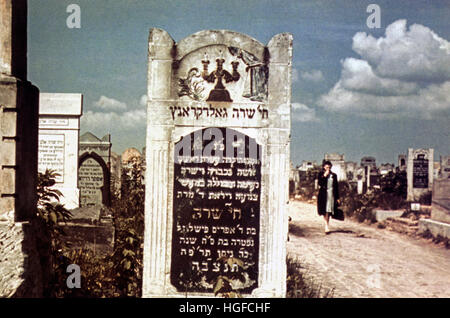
x: 326, y: 217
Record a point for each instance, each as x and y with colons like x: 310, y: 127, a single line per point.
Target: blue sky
x: 356, y: 90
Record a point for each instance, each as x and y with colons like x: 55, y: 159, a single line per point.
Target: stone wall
x: 440, y: 210
x: 21, y: 273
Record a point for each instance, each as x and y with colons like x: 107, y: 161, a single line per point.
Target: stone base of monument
x: 436, y: 228
x: 439, y: 224
x: 70, y: 198
x: 381, y: 215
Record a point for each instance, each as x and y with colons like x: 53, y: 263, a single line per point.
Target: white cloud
x: 404, y: 74
x: 427, y: 103
x: 302, y: 113
x: 110, y: 104
x: 417, y: 54
x: 143, y: 100
x: 114, y: 122
x: 313, y: 75
x: 357, y: 75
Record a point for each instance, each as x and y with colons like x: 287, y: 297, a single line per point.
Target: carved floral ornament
x: 255, y: 79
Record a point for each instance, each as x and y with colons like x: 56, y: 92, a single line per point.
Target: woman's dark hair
x: 327, y: 162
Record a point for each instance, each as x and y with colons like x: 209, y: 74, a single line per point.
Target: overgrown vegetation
x: 390, y: 196
x: 115, y: 275
x: 120, y: 274
x: 299, y: 285
x: 437, y: 240
x: 307, y: 184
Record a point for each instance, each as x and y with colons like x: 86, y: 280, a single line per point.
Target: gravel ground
x: 357, y: 260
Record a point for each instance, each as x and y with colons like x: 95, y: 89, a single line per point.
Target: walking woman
x: 328, y: 198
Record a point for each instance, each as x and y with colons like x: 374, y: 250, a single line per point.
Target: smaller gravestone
x: 59, y: 126
x: 94, y: 170
x: 338, y: 165
x: 444, y: 172
x: 419, y: 172
x: 402, y: 159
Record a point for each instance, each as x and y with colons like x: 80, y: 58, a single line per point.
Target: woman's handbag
x: 338, y: 215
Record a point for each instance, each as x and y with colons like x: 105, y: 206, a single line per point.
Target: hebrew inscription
x: 51, y: 154
x: 216, y: 206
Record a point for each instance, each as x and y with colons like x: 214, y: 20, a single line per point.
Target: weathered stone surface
x: 59, y: 129
x: 20, y: 271
x: 381, y: 215
x: 21, y: 265
x: 212, y: 85
x: 13, y: 38
x: 440, y: 207
x: 419, y: 172
x: 436, y: 228
x: 94, y: 170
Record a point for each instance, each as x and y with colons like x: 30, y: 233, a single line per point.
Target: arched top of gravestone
x: 96, y: 157
x: 219, y: 37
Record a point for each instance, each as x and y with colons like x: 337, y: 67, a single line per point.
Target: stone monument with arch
x: 217, y: 154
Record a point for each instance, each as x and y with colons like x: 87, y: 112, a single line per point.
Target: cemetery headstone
x: 59, y: 127
x: 444, y: 172
x: 217, y: 156
x: 419, y: 172
x: 94, y: 170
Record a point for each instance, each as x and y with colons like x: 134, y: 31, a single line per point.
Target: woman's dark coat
x: 322, y: 197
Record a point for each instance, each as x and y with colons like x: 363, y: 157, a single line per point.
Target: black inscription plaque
x: 420, y: 172
x: 216, y: 210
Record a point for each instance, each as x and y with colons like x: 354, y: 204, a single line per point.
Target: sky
x: 357, y: 90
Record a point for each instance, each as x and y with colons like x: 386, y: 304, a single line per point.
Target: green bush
x: 115, y: 275
x: 390, y: 196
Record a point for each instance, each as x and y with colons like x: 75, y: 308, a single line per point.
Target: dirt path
x: 362, y: 261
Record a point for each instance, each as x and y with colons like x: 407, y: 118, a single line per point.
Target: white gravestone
x: 59, y: 126
x: 217, y: 153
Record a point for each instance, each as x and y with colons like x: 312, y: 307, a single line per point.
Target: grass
x: 299, y: 285
x: 437, y: 240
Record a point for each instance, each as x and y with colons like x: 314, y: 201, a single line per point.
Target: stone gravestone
x: 217, y: 156
x: 439, y: 223
x: 444, y: 172
x: 94, y: 170
x: 59, y: 128
x: 419, y: 172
